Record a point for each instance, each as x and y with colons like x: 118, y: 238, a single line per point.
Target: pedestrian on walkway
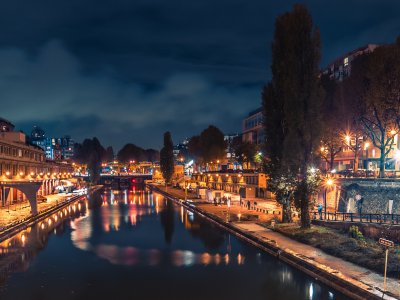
x: 248, y: 204
x: 359, y: 202
x: 320, y: 207
x: 359, y: 205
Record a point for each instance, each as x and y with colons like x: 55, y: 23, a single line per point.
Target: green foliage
x: 355, y: 233
x: 167, y: 158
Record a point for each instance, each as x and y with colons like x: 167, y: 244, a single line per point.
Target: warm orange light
x: 392, y: 132
x: 366, y: 145
x: 322, y: 149
x: 32, y: 173
x: 21, y: 173
x: 329, y: 182
x: 8, y: 173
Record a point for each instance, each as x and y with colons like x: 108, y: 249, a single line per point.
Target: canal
x: 134, y: 244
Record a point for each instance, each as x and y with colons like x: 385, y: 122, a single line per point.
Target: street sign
x: 386, y: 243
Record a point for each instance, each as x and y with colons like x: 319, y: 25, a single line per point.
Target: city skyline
x: 128, y: 73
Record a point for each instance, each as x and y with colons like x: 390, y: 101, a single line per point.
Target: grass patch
x: 358, y: 250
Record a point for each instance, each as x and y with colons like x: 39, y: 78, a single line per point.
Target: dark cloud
x: 130, y: 70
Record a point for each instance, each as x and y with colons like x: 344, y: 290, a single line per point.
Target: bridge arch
x: 30, y: 189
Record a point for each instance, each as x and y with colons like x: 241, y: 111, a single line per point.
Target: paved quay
x: 20, y: 211
x: 249, y: 222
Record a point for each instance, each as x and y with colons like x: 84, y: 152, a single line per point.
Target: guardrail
x: 356, y: 217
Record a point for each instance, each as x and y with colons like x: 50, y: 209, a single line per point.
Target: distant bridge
x: 122, y: 181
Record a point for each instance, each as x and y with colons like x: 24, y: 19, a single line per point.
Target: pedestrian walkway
x: 15, y: 212
x: 348, y: 271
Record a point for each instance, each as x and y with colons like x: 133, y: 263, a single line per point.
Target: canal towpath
x: 353, y: 280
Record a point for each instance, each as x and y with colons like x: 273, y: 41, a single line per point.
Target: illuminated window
x: 346, y: 62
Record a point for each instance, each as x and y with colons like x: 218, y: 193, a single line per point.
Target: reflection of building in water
x: 17, y: 251
x: 113, y: 215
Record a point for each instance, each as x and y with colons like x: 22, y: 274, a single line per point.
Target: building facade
x: 23, y: 166
x: 247, y: 184
x: 55, y: 148
x: 253, y: 128
x: 340, y: 68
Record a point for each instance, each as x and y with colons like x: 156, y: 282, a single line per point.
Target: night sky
x: 128, y: 70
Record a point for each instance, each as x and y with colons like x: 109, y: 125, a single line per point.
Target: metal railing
x: 356, y: 217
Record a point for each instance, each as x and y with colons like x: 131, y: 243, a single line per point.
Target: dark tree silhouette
x: 131, y: 152
x: 167, y: 158
x: 90, y: 152
x: 167, y: 216
x: 294, y: 95
x: 109, y: 155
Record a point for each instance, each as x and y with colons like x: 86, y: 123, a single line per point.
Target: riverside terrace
x: 25, y: 174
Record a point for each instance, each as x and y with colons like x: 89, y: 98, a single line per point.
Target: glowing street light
x: 347, y: 138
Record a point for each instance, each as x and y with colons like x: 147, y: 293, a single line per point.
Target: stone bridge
x: 29, y: 188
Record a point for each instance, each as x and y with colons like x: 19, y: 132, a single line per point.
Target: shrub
x: 355, y: 233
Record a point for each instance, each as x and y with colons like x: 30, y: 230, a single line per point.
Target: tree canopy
x: 208, y: 146
x: 292, y: 106
x: 90, y: 152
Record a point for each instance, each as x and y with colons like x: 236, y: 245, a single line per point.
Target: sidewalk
x: 19, y: 211
x: 247, y: 221
x: 350, y: 272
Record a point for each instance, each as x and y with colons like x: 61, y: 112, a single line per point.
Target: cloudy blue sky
x: 128, y: 70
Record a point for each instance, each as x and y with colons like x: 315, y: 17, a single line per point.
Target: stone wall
x: 376, y: 194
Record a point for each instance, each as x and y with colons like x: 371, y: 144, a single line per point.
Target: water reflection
x: 167, y: 220
x: 124, y: 240
x: 17, y: 252
x: 126, y: 210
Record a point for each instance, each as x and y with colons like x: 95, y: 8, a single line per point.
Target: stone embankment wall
x: 377, y: 194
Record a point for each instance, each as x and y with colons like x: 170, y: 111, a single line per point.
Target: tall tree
x: 294, y: 94
x: 212, y: 144
x: 152, y: 155
x: 381, y: 95
x: 131, y: 152
x: 90, y: 152
x: 109, y: 156
x: 167, y: 158
x: 245, y: 152
x: 207, y: 147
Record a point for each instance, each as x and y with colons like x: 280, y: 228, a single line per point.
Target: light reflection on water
x: 148, y: 237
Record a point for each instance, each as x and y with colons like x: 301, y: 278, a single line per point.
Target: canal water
x: 133, y: 244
